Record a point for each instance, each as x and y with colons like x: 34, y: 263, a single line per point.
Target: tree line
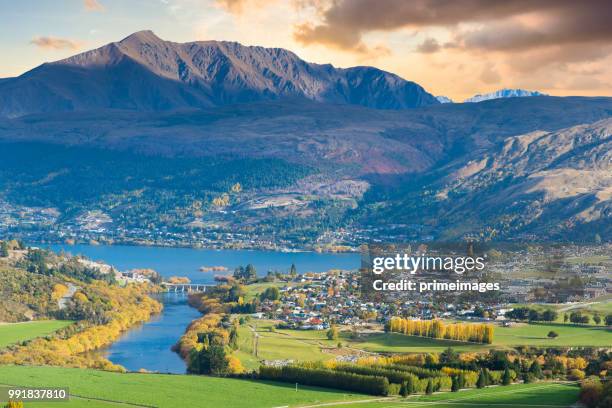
x: 436, y: 329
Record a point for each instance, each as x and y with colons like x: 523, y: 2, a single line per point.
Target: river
x: 147, y: 346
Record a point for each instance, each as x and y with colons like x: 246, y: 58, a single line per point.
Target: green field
x: 601, y: 306
x: 90, y: 388
x: 313, y: 345
x: 11, y: 333
x: 280, y: 344
x: 535, y: 395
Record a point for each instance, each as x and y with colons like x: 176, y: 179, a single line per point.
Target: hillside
x: 145, y: 73
x: 547, y: 183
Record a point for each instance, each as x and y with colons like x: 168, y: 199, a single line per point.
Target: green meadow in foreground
x: 15, y: 332
x: 549, y: 395
x: 91, y: 387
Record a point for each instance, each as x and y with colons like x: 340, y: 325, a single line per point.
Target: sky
x: 455, y: 48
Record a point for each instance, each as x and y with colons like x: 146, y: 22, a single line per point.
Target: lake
x: 187, y: 261
x: 148, y: 345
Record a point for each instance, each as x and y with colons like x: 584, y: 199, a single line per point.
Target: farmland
x: 89, y: 388
x: 93, y: 387
x: 11, y: 333
x: 313, y: 344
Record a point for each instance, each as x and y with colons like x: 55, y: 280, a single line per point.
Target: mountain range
x: 503, y: 93
x: 145, y: 73
x: 350, y: 148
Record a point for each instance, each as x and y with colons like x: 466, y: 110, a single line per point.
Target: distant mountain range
x: 145, y: 73
x: 356, y: 147
x: 503, y: 93
x: 444, y: 99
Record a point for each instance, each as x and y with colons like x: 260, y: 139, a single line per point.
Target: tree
x: 609, y: 320
x: 597, y: 318
x: 449, y: 356
x: 4, y: 253
x: 454, y: 384
x: 332, y: 333
x: 461, y: 380
x: 506, y: 378
x: 250, y: 272
x: 213, y: 361
x: 272, y: 293
x: 482, y: 380
x: 404, y: 390
x: 552, y: 334
x: 535, y: 369
x: 239, y: 272
x: 565, y: 318
x: 293, y: 271
x: 233, y: 338
x: 430, y: 387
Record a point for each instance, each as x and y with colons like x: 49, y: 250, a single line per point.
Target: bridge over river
x: 184, y: 287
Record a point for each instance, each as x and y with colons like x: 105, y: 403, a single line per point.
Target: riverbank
x: 69, y: 346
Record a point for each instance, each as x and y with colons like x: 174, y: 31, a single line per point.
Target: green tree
x: 212, y: 361
x: 272, y: 293
x: 404, y: 390
x: 4, y: 253
x: 455, y: 383
x: 449, y: 356
x: 332, y: 333
x: 233, y: 338
x: 461, y: 380
x: 250, y: 272
x: 482, y: 380
x: 293, y: 271
x: 552, y: 334
x: 506, y: 378
x: 609, y: 320
x: 430, y: 387
x: 597, y: 318
x: 535, y: 369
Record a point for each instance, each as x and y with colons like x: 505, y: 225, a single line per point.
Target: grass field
x: 15, y: 332
x: 310, y: 344
x: 542, y: 395
x: 601, y: 306
x: 94, y: 389
x: 280, y: 344
x: 89, y: 387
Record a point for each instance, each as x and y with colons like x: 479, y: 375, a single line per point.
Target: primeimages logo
x: 413, y: 264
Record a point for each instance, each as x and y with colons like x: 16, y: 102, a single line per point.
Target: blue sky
x: 457, y: 49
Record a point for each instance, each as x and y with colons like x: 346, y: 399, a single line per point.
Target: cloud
x: 240, y: 6
x: 428, y: 46
x: 93, y: 5
x: 489, y: 75
x: 55, y: 43
x: 504, y: 25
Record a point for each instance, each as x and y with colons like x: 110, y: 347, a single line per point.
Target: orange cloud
x: 55, y: 43
x: 93, y: 5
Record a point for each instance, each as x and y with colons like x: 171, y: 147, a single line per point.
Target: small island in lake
x: 214, y: 269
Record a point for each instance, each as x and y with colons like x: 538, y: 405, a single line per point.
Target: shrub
x: 576, y: 374
x: 373, y: 385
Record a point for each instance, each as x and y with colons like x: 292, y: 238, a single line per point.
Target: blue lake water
x: 148, y: 346
x: 187, y: 261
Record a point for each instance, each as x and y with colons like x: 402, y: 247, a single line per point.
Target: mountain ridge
x: 503, y: 93
x: 145, y: 73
